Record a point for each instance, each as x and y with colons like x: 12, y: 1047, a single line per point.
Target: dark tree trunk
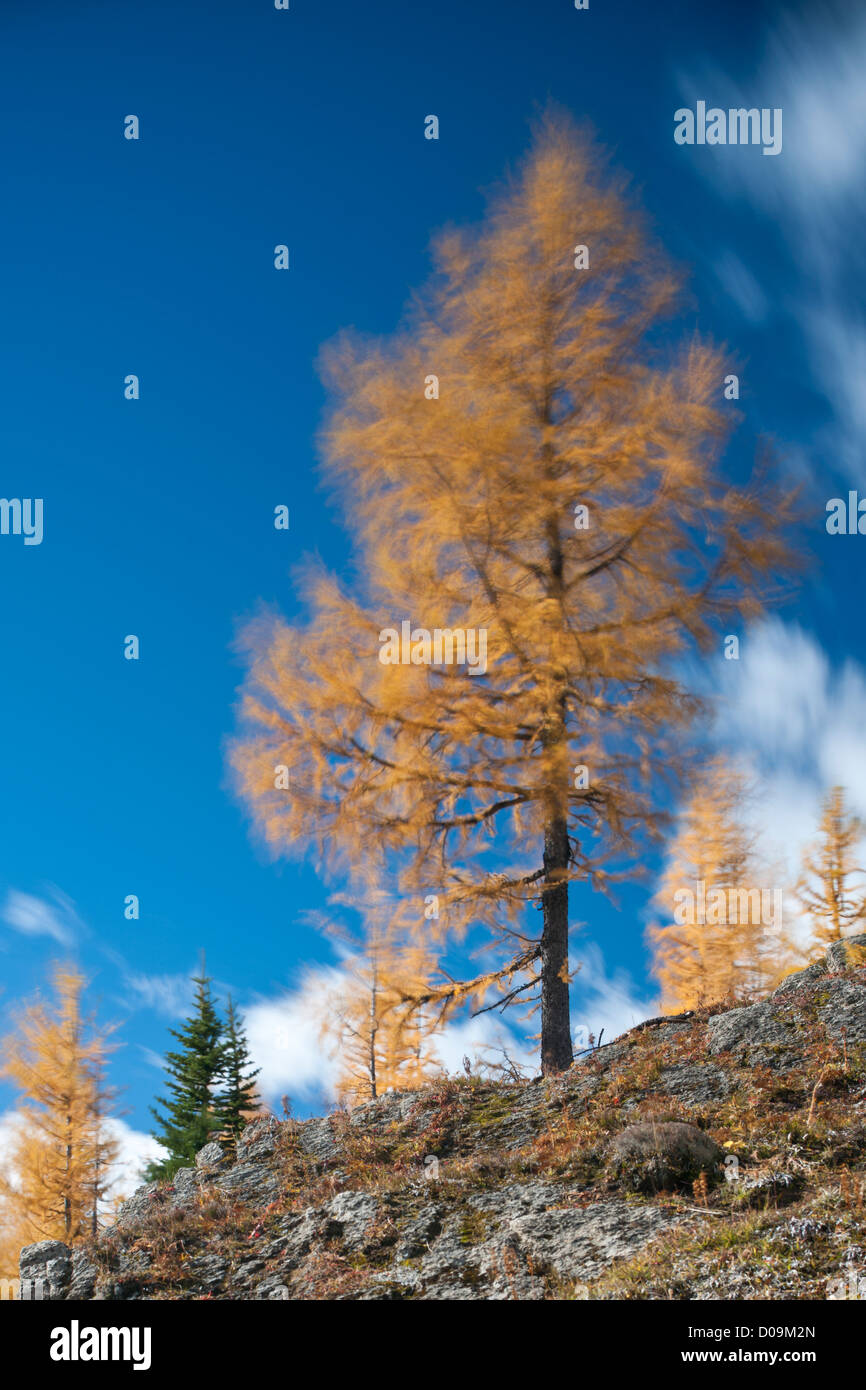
x: 556, y: 1052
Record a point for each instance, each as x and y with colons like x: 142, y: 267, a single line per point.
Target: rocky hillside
x: 719, y: 1155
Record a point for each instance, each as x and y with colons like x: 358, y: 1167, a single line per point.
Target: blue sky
x: 155, y: 257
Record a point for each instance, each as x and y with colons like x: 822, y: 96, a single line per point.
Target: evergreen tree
x: 192, y: 1114
x: 239, y: 1097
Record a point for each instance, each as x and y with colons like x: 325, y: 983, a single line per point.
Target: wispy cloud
x: 135, y: 1151
x: 481, y: 1039
x: 603, y: 1001
x: 814, y: 193
x: 740, y: 285
x: 796, y: 726
x: 169, y: 995
x: 283, y: 1035
x: 799, y: 724
x: 152, y: 1058
x: 32, y: 916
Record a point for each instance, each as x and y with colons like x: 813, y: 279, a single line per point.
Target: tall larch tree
x: 713, y: 942
x: 831, y: 889
x: 530, y: 465
x: 58, y: 1164
x: 194, y: 1072
x: 371, y: 1022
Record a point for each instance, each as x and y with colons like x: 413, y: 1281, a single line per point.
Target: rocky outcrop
x: 772, y: 1032
x: 705, y: 1156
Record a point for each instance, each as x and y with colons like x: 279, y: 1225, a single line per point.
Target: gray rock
x: 318, y: 1139
x: 509, y: 1203
x: 845, y: 1008
x: 271, y: 1288
x: 771, y: 1031
x: 184, y: 1187
x: 45, y: 1270
x: 847, y: 954
x: 582, y: 1243
x: 137, y: 1207
x: 349, y: 1215
x: 392, y: 1106
x: 210, y: 1157
x: 661, y: 1156
x: 259, y: 1139
x: 490, y: 1228
x: 528, y: 1236
x: 207, y: 1271
x: 418, y: 1234
x: 803, y: 979
x: 253, y: 1183
x: 451, y: 1269
x: 84, y: 1276
x: 693, y: 1083
x: 755, y: 1026
x: 181, y: 1192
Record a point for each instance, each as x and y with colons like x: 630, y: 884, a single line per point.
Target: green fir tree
x: 192, y: 1111
x: 238, y: 1097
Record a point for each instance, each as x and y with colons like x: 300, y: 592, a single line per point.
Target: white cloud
x: 604, y: 1002
x: 283, y: 1036
x: 481, y: 1039
x: 796, y: 726
x: 799, y: 725
x: 136, y: 1150
x: 10, y: 1125
x: 837, y: 336
x: 740, y: 285
x: 814, y: 191
x: 813, y: 71
x: 170, y: 995
x: 33, y: 916
x: 152, y: 1058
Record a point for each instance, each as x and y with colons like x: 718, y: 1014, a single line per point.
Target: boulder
x: 210, y: 1157
x: 659, y: 1156
x: 259, y: 1139
x: 45, y: 1270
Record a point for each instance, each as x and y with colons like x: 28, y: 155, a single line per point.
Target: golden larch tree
x: 371, y: 1023
x: 530, y: 473
x: 828, y: 890
x: 58, y: 1167
x: 719, y: 936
